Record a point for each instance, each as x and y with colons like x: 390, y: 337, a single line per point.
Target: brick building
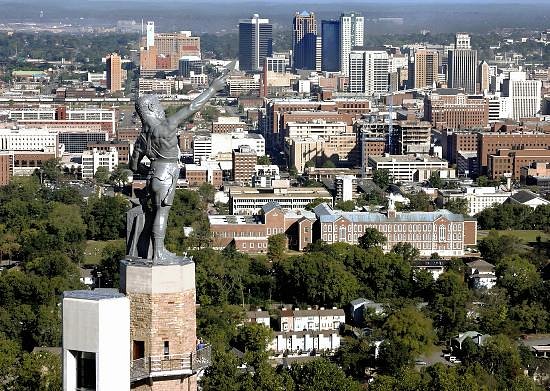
x: 249, y: 234
x: 244, y: 162
x: 6, y: 167
x: 228, y: 125
x: 26, y: 162
x: 206, y: 172
x: 510, y: 162
x: 124, y: 149
x: 449, y: 108
x: 439, y: 232
x: 490, y: 143
x: 453, y: 141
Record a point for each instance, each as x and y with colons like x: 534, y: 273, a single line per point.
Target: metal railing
x: 175, y: 363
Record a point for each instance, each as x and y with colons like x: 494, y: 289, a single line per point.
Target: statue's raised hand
x: 220, y: 82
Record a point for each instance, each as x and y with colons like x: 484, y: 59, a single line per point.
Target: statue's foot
x: 164, y: 255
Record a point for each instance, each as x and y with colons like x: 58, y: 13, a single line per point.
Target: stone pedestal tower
x: 164, y: 351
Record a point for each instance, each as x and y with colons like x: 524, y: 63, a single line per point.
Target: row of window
x: 257, y: 245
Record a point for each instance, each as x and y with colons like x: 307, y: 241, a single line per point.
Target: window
x: 138, y: 350
x: 166, y: 348
x: 85, y: 371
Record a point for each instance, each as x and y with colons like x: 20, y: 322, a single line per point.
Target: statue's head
x: 149, y: 108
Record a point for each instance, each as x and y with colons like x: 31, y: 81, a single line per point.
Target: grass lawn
x: 526, y: 235
x: 93, y: 249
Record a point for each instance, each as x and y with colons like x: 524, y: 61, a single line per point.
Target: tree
x: 107, y: 272
x: 495, y: 247
x: 40, y: 371
x: 314, y: 203
x: 419, y: 202
x: 252, y: 339
x: 519, y: 277
x: 346, y: 206
x: 406, y: 250
x: 50, y: 170
x: 276, y: 247
x: 393, y: 357
x: 435, y: 180
x: 355, y: 356
x: 207, y: 192
x: 500, y: 356
x: 372, y: 238
x: 409, y: 328
x: 381, y: 178
x: 315, y: 278
x: 458, y: 206
x: 449, y: 303
x: 119, y: 176
x: 264, y: 160
x: 320, y: 374
x: 101, y: 175
x: 106, y: 218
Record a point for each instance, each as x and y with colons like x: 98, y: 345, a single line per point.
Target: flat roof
x: 233, y: 219
x: 96, y: 295
x: 406, y: 158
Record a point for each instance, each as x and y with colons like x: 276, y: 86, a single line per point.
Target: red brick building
x: 440, y: 232
x: 507, y: 161
x: 6, y: 166
x: 249, y: 234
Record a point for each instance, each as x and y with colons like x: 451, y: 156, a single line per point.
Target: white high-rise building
x: 150, y: 34
x: 525, y: 95
x: 352, y: 28
x: 92, y: 160
x: 368, y: 72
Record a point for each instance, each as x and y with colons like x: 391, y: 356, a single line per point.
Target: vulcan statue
x: 159, y: 143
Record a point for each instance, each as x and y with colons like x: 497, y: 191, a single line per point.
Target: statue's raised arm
x: 198, y: 103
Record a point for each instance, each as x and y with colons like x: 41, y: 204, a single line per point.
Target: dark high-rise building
x: 330, y: 44
x: 255, y: 42
x: 462, y: 65
x: 304, y: 40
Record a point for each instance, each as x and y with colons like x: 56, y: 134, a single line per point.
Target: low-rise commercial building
x: 249, y: 201
x: 411, y: 168
x: 477, y: 198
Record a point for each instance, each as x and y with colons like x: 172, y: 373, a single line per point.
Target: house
x: 435, y: 267
x: 306, y: 341
x: 481, y: 274
x: 312, y: 319
x: 357, y: 308
x: 478, y: 338
x: 528, y: 198
x: 258, y: 316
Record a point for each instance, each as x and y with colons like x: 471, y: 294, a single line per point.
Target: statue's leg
x: 163, y: 195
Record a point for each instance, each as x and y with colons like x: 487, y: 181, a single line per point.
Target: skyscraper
x: 524, y: 94
x: 304, y: 40
x: 483, y: 77
x: 423, y: 68
x: 352, y: 27
x: 368, y: 71
x: 255, y: 42
x: 330, y: 45
x: 114, y: 73
x: 462, y: 65
x: 150, y: 40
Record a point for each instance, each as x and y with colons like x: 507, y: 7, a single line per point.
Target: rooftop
x: 96, y: 295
